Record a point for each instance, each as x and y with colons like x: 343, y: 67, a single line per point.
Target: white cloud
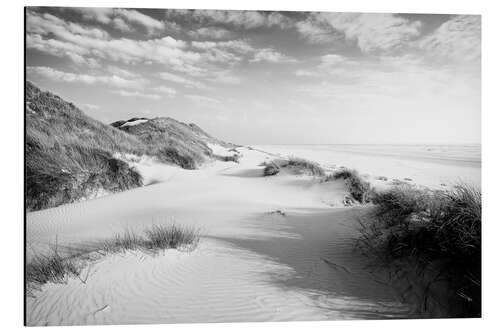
x: 223, y: 76
x: 101, y: 15
x: 388, y: 78
x: 328, y: 64
x: 121, y: 25
x: 316, y: 32
x: 52, y: 35
x: 60, y: 49
x: 166, y: 91
x: 91, y: 106
x: 371, y: 31
x: 271, y: 55
x: 211, y: 33
x: 59, y: 76
x: 334, y: 60
x: 304, y: 72
x: 121, y: 19
x: 456, y: 39
x: 245, y: 19
x: 126, y: 93
x: 166, y: 50
x: 224, y: 51
x: 167, y: 76
x: 122, y: 72
x: 47, y: 23
x: 200, y: 99
x: 191, y: 70
x: 133, y: 16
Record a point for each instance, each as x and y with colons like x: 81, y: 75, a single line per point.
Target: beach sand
x: 252, y: 264
x: 433, y: 166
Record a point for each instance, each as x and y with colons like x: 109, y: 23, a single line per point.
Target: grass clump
x: 432, y: 229
x: 358, y: 188
x: 122, y: 242
x: 155, y: 238
x: 296, y: 164
x: 69, y: 156
x: 51, y: 267
x: 170, y: 237
x: 305, y: 166
x: 271, y: 169
x: 56, y: 268
x: 232, y: 158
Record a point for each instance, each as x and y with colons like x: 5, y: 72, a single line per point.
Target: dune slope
x: 72, y: 157
x: 253, y: 263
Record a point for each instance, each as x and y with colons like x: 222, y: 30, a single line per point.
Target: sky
x: 255, y: 77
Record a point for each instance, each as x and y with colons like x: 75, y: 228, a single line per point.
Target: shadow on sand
x: 247, y: 173
x: 317, y: 245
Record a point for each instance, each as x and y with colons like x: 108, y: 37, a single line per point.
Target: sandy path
x: 249, y: 266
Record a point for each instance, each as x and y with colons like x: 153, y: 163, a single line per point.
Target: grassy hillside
x: 69, y: 156
x: 432, y: 240
x: 169, y: 140
x: 172, y: 141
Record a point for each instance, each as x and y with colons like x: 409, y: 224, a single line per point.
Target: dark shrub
x: 271, y: 169
x: 50, y: 268
x: 56, y: 268
x: 176, y: 156
x: 359, y: 188
x: 233, y: 158
x: 306, y: 166
x: 432, y: 228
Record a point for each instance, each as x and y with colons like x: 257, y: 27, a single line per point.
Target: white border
x: 11, y: 131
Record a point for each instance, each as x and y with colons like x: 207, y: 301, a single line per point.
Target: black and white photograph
x: 221, y: 166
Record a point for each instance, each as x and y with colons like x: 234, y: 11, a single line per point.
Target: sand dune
x: 433, y: 166
x: 251, y: 264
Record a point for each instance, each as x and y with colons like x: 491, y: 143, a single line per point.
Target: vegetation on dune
x: 69, y: 156
x: 155, y: 238
x: 271, y: 169
x: 438, y: 232
x: 358, y: 188
x: 171, y: 237
x: 171, y: 141
x: 305, y: 166
x: 51, y: 268
x: 232, y: 158
x: 295, y: 164
x: 56, y: 268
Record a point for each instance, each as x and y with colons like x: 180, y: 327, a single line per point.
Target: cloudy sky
x: 267, y: 77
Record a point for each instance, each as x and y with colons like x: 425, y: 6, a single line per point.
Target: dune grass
x: 56, y: 268
x: 51, y: 267
x: 155, y: 238
x: 271, y: 169
x: 69, y: 156
x: 232, y: 158
x: 172, y: 141
x: 358, y: 188
x: 295, y: 164
x: 432, y: 228
x: 305, y: 166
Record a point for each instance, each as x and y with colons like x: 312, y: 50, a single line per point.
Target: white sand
x: 135, y: 122
x: 250, y: 265
x: 433, y: 166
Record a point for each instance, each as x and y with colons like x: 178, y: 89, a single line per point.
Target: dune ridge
x: 251, y: 263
